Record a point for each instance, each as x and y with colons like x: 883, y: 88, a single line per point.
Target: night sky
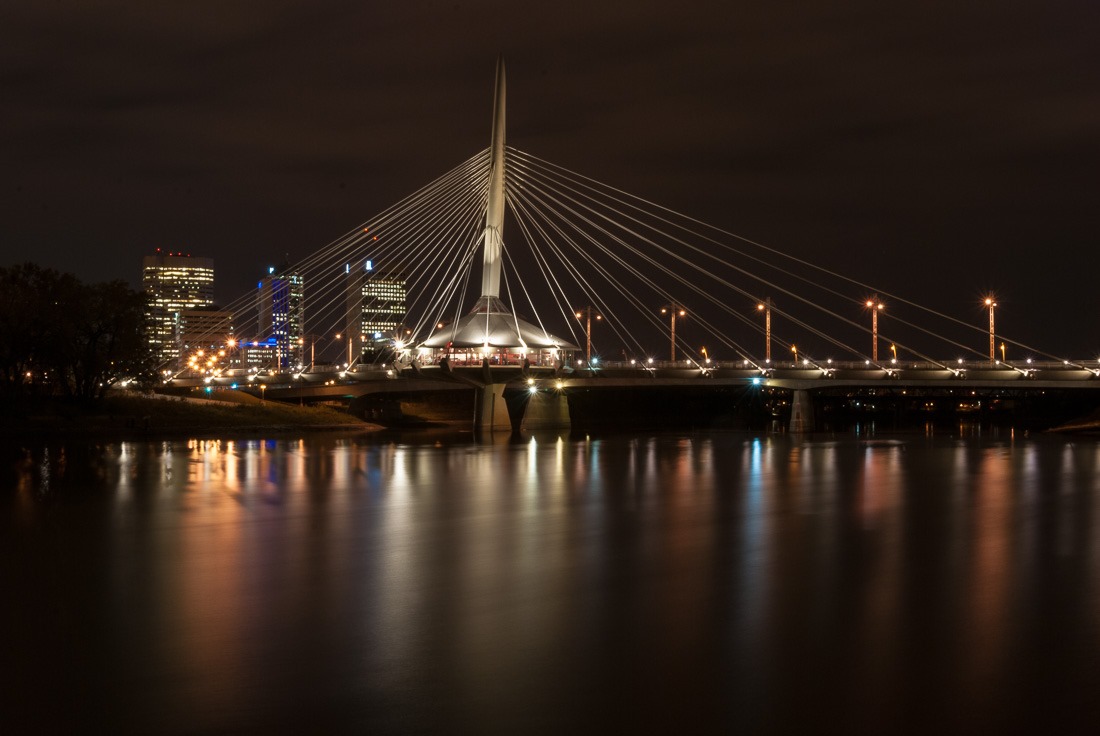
x: 936, y: 149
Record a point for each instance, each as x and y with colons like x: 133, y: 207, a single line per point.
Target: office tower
x: 209, y: 331
x: 174, y: 282
x: 375, y: 306
x: 281, y: 309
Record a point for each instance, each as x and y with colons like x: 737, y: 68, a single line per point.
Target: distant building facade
x: 281, y: 310
x: 203, y: 329
x: 257, y: 355
x: 174, y: 282
x: 375, y: 305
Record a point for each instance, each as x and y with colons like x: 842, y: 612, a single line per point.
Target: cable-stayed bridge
x: 599, y: 293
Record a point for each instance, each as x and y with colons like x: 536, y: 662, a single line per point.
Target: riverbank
x: 1088, y: 426
x: 126, y: 415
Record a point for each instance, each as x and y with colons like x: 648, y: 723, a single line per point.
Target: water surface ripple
x: 686, y: 583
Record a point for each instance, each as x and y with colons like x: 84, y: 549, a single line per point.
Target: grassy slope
x: 126, y: 413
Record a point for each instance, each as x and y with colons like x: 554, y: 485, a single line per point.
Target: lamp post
x: 794, y: 349
x: 875, y: 306
x: 338, y: 337
x: 673, y: 310
x: 894, y: 350
x: 587, y: 313
x: 1003, y: 360
x: 766, y: 308
x: 992, y: 304
x: 313, y: 340
x: 263, y: 389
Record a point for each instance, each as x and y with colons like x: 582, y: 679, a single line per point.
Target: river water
x: 677, y: 583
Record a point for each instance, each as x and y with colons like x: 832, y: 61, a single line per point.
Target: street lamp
x: 231, y: 346
x: 794, y: 349
x: 673, y: 310
x: 1003, y: 360
x: 340, y: 337
x: 766, y: 308
x: 313, y: 340
x: 587, y: 313
x: 894, y: 350
x: 263, y: 389
x: 992, y: 304
x: 875, y: 306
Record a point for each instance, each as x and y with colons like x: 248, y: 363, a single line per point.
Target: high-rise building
x: 205, y: 329
x: 174, y: 282
x: 281, y: 309
x: 375, y: 305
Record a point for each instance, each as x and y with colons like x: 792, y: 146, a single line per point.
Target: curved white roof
x: 491, y: 324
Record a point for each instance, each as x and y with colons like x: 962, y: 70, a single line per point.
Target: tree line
x: 62, y: 337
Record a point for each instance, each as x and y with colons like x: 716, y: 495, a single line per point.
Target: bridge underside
x: 511, y: 398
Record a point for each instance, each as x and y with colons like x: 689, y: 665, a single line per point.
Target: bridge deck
x: 347, y: 384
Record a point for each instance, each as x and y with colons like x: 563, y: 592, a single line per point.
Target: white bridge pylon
x: 490, y: 327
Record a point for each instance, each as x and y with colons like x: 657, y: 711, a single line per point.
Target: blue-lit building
x: 281, y: 310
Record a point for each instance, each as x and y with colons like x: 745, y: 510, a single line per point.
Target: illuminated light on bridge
x: 991, y: 302
x: 875, y: 306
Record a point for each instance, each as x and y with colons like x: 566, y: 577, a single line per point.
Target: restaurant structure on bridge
x: 491, y: 332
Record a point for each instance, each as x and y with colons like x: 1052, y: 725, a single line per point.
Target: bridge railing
x: 829, y: 364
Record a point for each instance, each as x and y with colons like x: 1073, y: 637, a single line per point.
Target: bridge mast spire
x: 494, y: 212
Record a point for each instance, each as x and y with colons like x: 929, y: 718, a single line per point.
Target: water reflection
x: 621, y: 582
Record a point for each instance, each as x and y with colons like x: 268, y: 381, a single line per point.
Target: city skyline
x: 938, y: 152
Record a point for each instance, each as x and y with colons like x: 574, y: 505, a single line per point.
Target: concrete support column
x: 802, y: 412
x: 546, y: 410
x: 490, y: 409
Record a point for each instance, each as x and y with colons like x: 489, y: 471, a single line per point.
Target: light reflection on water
x: 555, y: 583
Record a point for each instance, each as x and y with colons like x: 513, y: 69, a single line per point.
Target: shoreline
x: 128, y: 416
x: 124, y: 434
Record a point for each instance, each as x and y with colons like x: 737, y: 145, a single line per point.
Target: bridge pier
x: 546, y: 410
x: 490, y: 408
x: 802, y: 412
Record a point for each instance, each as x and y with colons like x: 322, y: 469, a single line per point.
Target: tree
x: 28, y: 314
x: 107, y: 340
x: 62, y: 336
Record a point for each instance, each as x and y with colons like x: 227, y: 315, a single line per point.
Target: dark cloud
x: 936, y: 148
